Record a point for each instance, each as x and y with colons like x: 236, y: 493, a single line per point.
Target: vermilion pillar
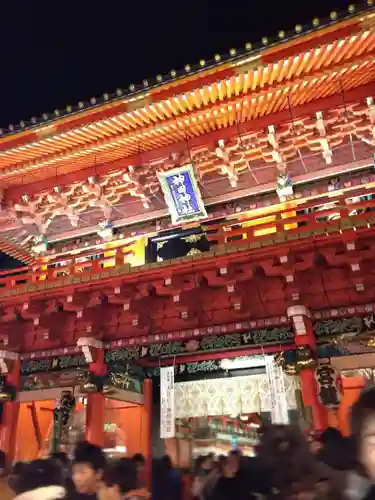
x: 10, y: 415
x: 95, y: 410
x: 304, y: 336
x: 147, y: 403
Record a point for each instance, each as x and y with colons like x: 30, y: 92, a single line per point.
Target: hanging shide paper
x: 167, y: 402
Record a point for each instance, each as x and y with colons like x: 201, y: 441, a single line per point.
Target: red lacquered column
x: 95, y: 408
x: 304, y: 336
x: 10, y: 415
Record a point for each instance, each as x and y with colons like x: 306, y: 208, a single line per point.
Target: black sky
x: 55, y: 53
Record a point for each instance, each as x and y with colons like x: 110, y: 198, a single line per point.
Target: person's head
x: 39, y: 474
x: 118, y: 479
x: 139, y: 462
x: 234, y: 460
x: 229, y: 467
x: 88, y: 465
x: 220, y: 464
x: 363, y: 430
x: 284, y: 457
x: 207, y: 462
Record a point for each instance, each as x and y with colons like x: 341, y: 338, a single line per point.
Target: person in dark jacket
x: 166, y: 481
x: 335, y: 450
x: 40, y: 480
x: 362, y: 421
x: 231, y: 484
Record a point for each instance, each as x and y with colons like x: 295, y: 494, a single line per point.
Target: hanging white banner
x: 167, y: 406
x: 279, y: 403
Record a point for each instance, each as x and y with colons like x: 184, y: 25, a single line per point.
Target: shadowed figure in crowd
x: 362, y: 484
x: 290, y: 471
x: 166, y: 480
x: 40, y: 480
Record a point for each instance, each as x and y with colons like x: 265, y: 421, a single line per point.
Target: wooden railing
x: 277, y: 224
x: 73, y: 265
x: 253, y: 228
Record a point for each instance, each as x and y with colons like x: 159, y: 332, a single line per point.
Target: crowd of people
x: 287, y: 466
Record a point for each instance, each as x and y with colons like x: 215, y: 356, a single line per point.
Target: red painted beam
x: 359, y: 94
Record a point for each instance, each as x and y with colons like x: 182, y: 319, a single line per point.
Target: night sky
x: 55, y: 53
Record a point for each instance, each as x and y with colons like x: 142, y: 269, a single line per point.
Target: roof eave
x: 265, y: 48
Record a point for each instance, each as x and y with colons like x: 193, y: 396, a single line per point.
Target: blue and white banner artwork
x: 182, y: 195
x: 167, y: 403
x: 276, y: 382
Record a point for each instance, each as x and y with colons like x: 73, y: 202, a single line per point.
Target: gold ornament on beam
x: 193, y: 238
x: 193, y: 251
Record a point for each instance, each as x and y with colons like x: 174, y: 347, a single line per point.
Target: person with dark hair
x: 203, y: 471
x: 290, y: 470
x: 119, y: 482
x: 167, y: 481
x: 335, y: 450
x: 6, y: 492
x: 362, y: 422
x: 230, y: 484
x: 40, y: 480
x: 88, y: 465
x: 140, y: 465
